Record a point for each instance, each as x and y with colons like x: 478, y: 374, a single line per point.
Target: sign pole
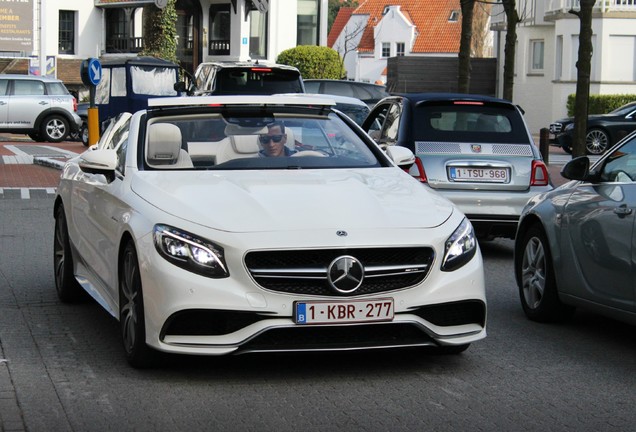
x: 91, y: 74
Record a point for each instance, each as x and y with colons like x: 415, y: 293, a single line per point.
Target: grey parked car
x: 366, y: 92
x: 475, y: 150
x: 38, y: 106
x: 575, y: 244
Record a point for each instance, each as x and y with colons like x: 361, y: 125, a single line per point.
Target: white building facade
x: 207, y: 30
x: 547, y: 51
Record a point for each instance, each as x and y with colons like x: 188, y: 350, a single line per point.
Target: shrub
x: 601, y: 104
x: 313, y: 61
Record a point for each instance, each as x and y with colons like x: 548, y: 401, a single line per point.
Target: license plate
x: 324, y: 312
x: 476, y: 174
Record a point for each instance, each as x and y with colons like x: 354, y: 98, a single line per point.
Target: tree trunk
x: 463, y: 75
x: 584, y: 67
x: 512, y: 19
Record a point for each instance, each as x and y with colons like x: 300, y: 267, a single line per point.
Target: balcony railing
x: 118, y: 44
x: 219, y: 47
x: 563, y: 6
x: 554, y: 8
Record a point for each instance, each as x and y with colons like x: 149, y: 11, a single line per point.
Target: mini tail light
x: 421, y: 174
x: 540, y: 175
x: 74, y: 104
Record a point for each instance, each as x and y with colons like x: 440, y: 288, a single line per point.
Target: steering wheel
x: 304, y: 153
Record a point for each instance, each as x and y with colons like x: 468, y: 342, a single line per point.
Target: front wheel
x: 68, y: 289
x: 596, y: 141
x: 537, y: 284
x: 131, y: 310
x: 54, y: 129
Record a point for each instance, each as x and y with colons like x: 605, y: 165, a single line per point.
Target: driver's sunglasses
x: 264, y: 139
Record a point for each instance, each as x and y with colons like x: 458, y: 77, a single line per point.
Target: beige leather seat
x: 164, y: 147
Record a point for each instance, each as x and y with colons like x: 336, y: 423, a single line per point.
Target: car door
x: 4, y: 102
x: 599, y: 229
x: 383, y: 122
x: 98, y: 212
x: 28, y: 99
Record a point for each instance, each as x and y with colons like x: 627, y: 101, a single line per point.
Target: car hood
x: 259, y: 201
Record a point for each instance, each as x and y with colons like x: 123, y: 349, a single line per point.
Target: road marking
x: 25, y: 192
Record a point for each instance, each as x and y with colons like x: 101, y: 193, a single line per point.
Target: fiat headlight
x: 460, y: 247
x: 190, y: 252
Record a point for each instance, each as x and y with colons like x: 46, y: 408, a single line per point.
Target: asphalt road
x: 62, y: 368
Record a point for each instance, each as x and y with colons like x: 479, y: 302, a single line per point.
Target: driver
x: 273, y: 142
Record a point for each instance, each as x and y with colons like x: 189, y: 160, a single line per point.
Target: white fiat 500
x: 234, y: 224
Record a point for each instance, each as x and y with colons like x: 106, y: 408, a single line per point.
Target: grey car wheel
x: 537, y: 284
x: 68, y: 289
x: 596, y: 141
x: 54, y: 129
x: 131, y: 310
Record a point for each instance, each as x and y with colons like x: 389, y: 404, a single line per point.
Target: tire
x: 596, y: 141
x: 68, y: 289
x: 83, y: 134
x: 535, y: 276
x: 54, y: 129
x: 131, y: 310
x: 35, y: 137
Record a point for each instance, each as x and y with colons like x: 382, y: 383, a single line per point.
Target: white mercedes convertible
x: 237, y: 224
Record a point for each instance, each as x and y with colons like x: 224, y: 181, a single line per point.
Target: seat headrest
x: 164, y: 144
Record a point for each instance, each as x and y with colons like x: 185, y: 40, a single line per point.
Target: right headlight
x: 460, y: 247
x: 190, y: 252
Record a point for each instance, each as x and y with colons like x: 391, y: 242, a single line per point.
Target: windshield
x: 241, y: 140
x: 625, y: 109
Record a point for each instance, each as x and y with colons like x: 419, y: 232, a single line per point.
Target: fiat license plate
x: 319, y: 312
x: 477, y: 174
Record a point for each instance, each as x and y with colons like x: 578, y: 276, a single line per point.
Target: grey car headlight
x: 460, y: 247
x: 190, y: 252
x: 569, y: 127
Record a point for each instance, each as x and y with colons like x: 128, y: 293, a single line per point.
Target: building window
x: 386, y: 49
x: 454, y: 16
x: 399, y: 49
x: 220, y: 30
x: 66, y: 37
x: 536, y: 51
x: 258, y: 35
x: 120, y: 30
x: 307, y: 22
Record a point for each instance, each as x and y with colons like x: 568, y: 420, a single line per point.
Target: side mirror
x: 577, y: 169
x: 100, y: 161
x: 180, y: 87
x: 401, y: 156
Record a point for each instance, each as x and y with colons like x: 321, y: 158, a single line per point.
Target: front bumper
x: 191, y: 314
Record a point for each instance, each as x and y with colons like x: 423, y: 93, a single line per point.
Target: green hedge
x: 313, y: 61
x: 601, y: 104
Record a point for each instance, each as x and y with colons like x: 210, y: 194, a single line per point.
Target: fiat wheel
x: 596, y: 141
x: 131, y: 310
x: 68, y: 289
x: 535, y: 275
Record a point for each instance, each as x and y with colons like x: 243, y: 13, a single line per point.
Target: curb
x: 49, y: 162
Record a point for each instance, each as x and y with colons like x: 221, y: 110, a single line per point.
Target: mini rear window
x: 450, y: 122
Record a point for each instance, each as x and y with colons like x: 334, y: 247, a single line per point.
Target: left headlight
x: 190, y: 252
x: 460, y: 247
